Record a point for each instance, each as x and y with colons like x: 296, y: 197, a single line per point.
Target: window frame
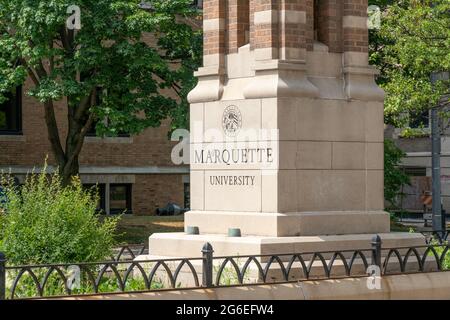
x: 415, y: 171
x: 17, y: 108
x: 128, y: 199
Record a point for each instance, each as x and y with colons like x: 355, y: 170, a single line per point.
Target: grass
x: 136, y: 229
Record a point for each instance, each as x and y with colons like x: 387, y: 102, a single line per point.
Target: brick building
x: 133, y: 172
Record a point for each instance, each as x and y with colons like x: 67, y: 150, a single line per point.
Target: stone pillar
x: 329, y: 24
x: 214, y: 16
x: 359, y: 76
x: 292, y: 30
x: 212, y: 75
x: 238, y: 24
x: 355, y: 32
x: 280, y: 50
x: 266, y: 35
x: 286, y: 133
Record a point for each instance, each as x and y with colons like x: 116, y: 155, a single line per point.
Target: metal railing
x: 22, y: 282
x: 439, y: 236
x: 129, y: 252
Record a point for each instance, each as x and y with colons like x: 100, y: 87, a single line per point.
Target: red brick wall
x: 356, y: 40
x: 330, y: 24
x: 151, y: 148
x: 155, y: 191
x: 214, y: 40
x: 266, y: 35
x: 238, y: 23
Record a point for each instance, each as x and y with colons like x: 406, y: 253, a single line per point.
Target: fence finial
x: 207, y: 252
x: 376, y: 251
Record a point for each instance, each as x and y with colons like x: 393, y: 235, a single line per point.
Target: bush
x: 44, y: 222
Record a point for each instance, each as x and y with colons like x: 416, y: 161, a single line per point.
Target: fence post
x: 207, y: 279
x: 2, y: 276
x: 376, y: 251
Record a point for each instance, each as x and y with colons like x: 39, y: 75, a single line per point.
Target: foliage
x: 413, y: 42
x: 394, y: 177
x: 229, y: 275
x: 115, y: 73
x: 440, y: 248
x: 408, y: 133
x: 45, y: 222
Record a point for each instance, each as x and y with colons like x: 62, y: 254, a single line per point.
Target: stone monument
x: 286, y: 133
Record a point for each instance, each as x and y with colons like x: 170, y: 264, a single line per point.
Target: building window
x: 120, y: 198
x: 187, y: 195
x: 11, y: 113
x: 415, y: 171
x: 101, y: 189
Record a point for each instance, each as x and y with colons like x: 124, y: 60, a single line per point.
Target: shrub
x: 44, y: 222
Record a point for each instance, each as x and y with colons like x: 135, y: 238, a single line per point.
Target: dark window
x: 198, y: 4
x: 415, y: 171
x: 120, y: 198
x: 11, y: 113
x: 187, y: 196
x: 419, y: 119
x: 100, y: 188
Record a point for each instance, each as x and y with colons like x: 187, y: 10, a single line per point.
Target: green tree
x: 414, y: 41
x: 394, y: 177
x: 108, y: 56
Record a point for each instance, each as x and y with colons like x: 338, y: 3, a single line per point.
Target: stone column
x: 355, y: 32
x: 292, y: 30
x: 330, y: 24
x: 280, y: 50
x: 359, y: 76
x: 266, y: 36
x: 214, y: 16
x: 211, y: 76
x: 238, y: 24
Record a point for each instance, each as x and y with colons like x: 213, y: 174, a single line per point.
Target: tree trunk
x: 67, y: 159
x: 68, y: 171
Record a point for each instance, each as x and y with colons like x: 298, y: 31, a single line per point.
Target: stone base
x: 180, y: 245
x: 290, y: 224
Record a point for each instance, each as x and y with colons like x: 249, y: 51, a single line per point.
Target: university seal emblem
x: 232, y: 121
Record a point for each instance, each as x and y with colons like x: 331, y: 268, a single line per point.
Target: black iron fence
x: 436, y: 237
x: 37, y: 281
x: 129, y: 252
